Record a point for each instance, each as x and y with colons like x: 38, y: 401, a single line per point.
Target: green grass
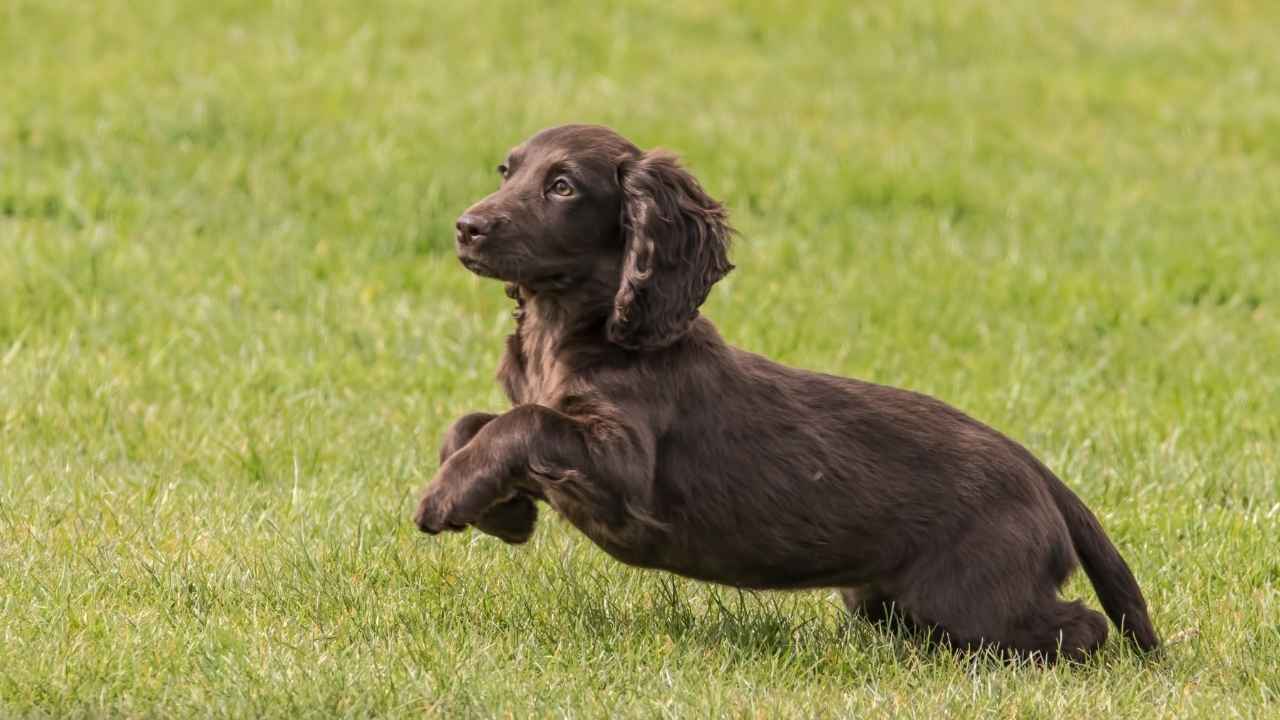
x: 232, y: 332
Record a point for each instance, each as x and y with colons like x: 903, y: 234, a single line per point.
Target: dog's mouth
x: 496, y: 269
x: 478, y: 266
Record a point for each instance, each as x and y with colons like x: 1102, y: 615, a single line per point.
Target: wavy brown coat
x: 671, y: 449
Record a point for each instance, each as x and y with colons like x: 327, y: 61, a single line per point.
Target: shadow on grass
x: 815, y: 638
x: 745, y: 628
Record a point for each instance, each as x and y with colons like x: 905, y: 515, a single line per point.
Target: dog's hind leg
x: 987, y: 592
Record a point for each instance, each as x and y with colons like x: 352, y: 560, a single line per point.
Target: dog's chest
x: 531, y: 370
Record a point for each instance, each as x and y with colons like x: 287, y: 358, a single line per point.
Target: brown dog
x: 671, y: 449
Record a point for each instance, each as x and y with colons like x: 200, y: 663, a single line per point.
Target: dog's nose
x: 472, y: 228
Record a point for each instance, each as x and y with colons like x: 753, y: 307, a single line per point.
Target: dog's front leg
x: 461, y: 432
x: 534, y: 449
x: 512, y: 520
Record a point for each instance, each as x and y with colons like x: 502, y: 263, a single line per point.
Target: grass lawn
x: 232, y: 330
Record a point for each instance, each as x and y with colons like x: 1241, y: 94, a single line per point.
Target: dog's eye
x: 562, y: 187
x: 503, y: 170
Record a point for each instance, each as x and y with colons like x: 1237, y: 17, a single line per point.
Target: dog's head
x: 579, y: 204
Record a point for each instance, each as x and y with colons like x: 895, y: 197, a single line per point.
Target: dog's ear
x: 677, y: 244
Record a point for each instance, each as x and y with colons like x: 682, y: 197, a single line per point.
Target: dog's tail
x: 1112, y: 580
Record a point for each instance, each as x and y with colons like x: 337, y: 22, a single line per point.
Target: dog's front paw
x: 435, y: 515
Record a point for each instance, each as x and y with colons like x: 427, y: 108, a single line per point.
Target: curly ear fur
x: 677, y: 243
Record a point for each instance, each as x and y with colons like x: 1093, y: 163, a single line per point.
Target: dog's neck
x: 553, y: 327
x: 559, y: 314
